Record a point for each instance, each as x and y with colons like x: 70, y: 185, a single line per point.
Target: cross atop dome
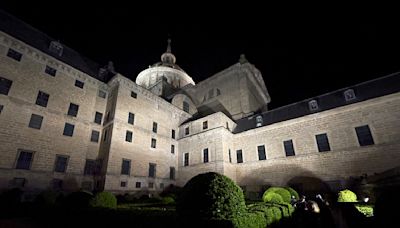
x: 168, y: 57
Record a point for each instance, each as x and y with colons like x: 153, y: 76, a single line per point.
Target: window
x: 172, y: 173
x: 42, y: 99
x: 1, y: 108
x: 218, y: 92
x: 61, y: 164
x: 259, y: 121
x: 98, y: 117
x: 56, y: 48
x: 5, y: 85
x: 172, y: 149
x: 57, y: 184
x: 14, y: 54
x: 105, y: 135
x: 239, y: 156
x: 24, y: 160
x: 68, y: 129
x: 79, y: 84
x: 108, y: 116
x: 313, y: 105
x: 289, y: 149
x: 322, y: 142
x: 364, y: 136
x: 87, y: 185
x: 161, y: 185
x: 102, y: 94
x: 90, y: 167
x: 138, y: 184
x: 95, y: 136
x: 205, y: 155
x: 152, y: 170
x: 185, y: 106
x: 36, y: 121
x: 73, y: 109
x: 123, y: 184
x: 186, y: 130
x: 349, y: 95
x: 205, y: 125
x: 128, y: 136
x: 186, y: 159
x: 131, y: 118
x: 19, y: 182
x: 230, y: 156
x: 133, y: 94
x: 153, y: 143
x: 151, y: 185
x: 126, y: 167
x: 50, y: 71
x: 154, y: 127
x: 261, y: 153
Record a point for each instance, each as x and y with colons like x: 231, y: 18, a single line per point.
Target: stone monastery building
x: 67, y: 123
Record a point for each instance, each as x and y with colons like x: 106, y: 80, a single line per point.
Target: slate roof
x: 364, y: 91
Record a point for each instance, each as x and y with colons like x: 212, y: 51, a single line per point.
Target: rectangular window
x: 289, y: 149
x: 172, y: 149
x: 173, y: 133
x: 364, y: 135
x: 261, y: 153
x: 95, y: 136
x: 5, y: 85
x: 90, y: 167
x: 138, y: 184
x: 133, y: 94
x: 42, y: 99
x: 79, y: 84
x: 152, y: 170
x: 187, y: 131
x: 131, y: 118
x: 205, y: 125
x: 123, y: 184
x: 186, y: 159
x: 68, y: 129
x: 153, y: 143
x: 24, y: 160
x: 128, y: 136
x: 205, y: 155
x: 239, y: 156
x: 57, y: 184
x: 98, y: 117
x: 230, y: 156
x: 50, y: 71
x: 1, y: 108
x: 185, y: 106
x: 61, y: 164
x: 172, y: 173
x: 14, y: 54
x: 73, y: 109
x: 102, y: 94
x: 36, y: 121
x: 154, y: 127
x: 151, y: 185
x: 126, y: 167
x: 322, y: 142
x: 161, y: 185
x: 19, y: 182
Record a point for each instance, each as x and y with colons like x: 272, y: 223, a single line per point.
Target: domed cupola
x: 168, y: 57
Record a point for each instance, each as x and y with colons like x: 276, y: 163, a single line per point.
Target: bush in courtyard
x: 47, y: 198
x: 78, y: 199
x: 171, y: 191
x: 293, y: 193
x: 211, y: 196
x: 272, y: 197
x: 285, y: 195
x: 167, y: 200
x: 104, y: 200
x: 347, y: 196
x: 366, y: 210
x: 273, y: 213
x: 250, y: 220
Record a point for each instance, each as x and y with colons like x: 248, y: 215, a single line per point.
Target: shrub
x: 366, y: 210
x: 47, y: 198
x: 250, y: 220
x: 168, y: 200
x: 78, y: 199
x: 211, y: 196
x: 285, y: 194
x: 347, y: 196
x: 104, y: 200
x: 272, y: 197
x: 293, y: 193
x: 273, y: 212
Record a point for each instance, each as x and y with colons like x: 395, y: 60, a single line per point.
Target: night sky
x: 300, y: 55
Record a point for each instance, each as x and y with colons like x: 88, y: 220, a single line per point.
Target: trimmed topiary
x: 347, y: 196
x: 285, y: 194
x: 167, y: 200
x: 272, y: 197
x: 293, y: 193
x: 211, y: 196
x: 104, y: 200
x: 366, y: 210
x: 250, y: 220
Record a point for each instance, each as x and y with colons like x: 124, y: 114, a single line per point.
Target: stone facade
x: 149, y: 139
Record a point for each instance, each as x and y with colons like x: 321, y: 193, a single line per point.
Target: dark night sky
x: 300, y: 55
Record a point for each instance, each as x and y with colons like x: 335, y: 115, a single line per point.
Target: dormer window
x: 56, y: 48
x: 259, y: 121
x: 313, y: 105
x: 349, y: 95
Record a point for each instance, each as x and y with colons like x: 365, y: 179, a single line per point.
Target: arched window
x: 259, y: 121
x: 313, y: 105
x: 185, y: 106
